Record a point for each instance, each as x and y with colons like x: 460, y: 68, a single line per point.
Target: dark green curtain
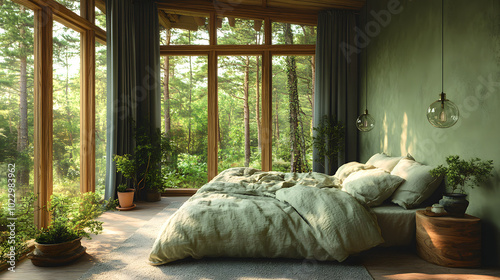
x: 336, y: 84
x: 133, y: 90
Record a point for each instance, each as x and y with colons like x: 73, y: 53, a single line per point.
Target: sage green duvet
x: 244, y: 212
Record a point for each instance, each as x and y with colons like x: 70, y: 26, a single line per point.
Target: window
x: 100, y: 116
x: 16, y: 98
x: 243, y: 63
x: 183, y: 29
x: 184, y: 118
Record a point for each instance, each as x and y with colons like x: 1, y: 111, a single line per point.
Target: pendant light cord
x: 366, y: 62
x: 442, y: 46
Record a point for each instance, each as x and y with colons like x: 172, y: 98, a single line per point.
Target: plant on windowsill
x: 460, y: 173
x: 72, y: 219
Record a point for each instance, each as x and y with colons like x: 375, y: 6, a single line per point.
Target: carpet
x: 130, y: 261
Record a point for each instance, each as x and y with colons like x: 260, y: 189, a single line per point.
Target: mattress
x: 397, y: 224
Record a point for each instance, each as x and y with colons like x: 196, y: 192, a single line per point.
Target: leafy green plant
x: 25, y: 228
x: 72, y: 217
x: 329, y: 140
x: 460, y: 172
x: 122, y: 188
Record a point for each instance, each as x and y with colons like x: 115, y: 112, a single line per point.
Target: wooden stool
x: 449, y: 241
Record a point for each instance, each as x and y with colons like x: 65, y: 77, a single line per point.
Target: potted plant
x: 460, y: 173
x: 72, y: 219
x: 125, y: 197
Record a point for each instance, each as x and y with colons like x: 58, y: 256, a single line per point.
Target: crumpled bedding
x: 244, y: 212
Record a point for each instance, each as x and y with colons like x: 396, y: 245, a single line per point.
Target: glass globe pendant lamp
x: 365, y: 122
x: 443, y: 113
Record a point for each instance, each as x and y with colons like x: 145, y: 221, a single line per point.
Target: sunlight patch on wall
x: 404, y: 135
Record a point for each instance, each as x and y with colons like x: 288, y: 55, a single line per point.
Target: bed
x: 244, y: 212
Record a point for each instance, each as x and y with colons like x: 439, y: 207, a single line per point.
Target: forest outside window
x: 253, y: 123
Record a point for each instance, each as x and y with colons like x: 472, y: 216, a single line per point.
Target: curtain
x: 336, y: 85
x: 133, y: 89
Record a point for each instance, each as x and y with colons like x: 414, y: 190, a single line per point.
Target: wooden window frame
x: 46, y: 11
x: 213, y: 51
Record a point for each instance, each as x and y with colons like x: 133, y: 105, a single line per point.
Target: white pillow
x: 371, y: 186
x: 349, y: 168
x: 418, y: 185
x: 385, y: 162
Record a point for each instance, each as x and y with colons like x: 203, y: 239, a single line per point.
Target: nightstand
x: 449, y: 241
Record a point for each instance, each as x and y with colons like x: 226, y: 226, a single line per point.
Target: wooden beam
x: 232, y: 21
x: 212, y: 29
x: 242, y: 11
x: 163, y: 20
x: 101, y: 5
x: 213, y: 117
x: 238, y: 49
x: 200, y: 21
x: 87, y: 112
x: 43, y: 114
x: 257, y: 25
x: 87, y: 10
x: 268, y: 31
x: 267, y: 113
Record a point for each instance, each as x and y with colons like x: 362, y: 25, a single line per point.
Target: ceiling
x: 189, y: 14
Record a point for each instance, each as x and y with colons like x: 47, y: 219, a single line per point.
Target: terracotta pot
x: 455, y: 204
x: 126, y: 199
x: 57, y: 254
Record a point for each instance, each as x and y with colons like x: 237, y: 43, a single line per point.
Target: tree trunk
x: 313, y: 78
x: 23, y: 171
x: 190, y: 97
x: 246, y: 112
x: 257, y: 102
x: 296, y: 164
x: 166, y: 87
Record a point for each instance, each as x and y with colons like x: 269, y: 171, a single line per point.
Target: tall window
x: 16, y: 98
x: 252, y: 124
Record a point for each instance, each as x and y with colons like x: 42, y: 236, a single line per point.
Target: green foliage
x: 461, y: 172
x: 191, y: 172
x: 329, y: 140
x: 25, y: 228
x: 72, y: 217
x: 122, y: 188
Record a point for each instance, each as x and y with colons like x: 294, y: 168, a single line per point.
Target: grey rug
x: 129, y: 261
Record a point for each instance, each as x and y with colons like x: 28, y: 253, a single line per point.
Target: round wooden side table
x: 449, y: 241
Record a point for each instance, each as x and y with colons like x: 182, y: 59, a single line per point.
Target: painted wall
x: 404, y: 78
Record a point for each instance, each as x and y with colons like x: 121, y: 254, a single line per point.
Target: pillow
x: 349, y: 168
x: 371, y: 186
x: 385, y: 162
x: 418, y: 186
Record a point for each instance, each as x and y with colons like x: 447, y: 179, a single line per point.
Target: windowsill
x: 179, y: 192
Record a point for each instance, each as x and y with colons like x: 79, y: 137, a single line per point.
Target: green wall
x: 404, y: 78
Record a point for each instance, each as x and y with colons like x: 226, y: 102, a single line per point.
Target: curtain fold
x: 336, y: 83
x: 133, y: 89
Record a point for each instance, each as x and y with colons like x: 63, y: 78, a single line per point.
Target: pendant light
x: 443, y: 113
x: 365, y: 122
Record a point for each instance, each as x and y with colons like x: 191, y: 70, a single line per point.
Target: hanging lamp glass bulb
x: 365, y: 122
x: 443, y: 113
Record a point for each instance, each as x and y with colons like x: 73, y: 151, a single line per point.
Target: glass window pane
x: 290, y: 73
x: 239, y: 105
x: 183, y: 29
x: 293, y: 34
x: 185, y: 120
x: 100, y: 14
x: 100, y: 116
x: 66, y: 109
x: 72, y: 5
x: 237, y: 31
x: 16, y: 100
